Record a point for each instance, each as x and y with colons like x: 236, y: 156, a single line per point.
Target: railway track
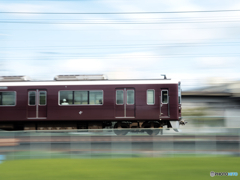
x: 35, y: 139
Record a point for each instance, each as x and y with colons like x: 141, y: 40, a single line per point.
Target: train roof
x: 94, y: 79
x: 90, y: 82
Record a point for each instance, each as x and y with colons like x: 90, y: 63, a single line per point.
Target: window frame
x: 81, y: 104
x: 116, y: 96
x: 89, y: 97
x: 133, y: 96
x: 153, y: 96
x: 15, y: 99
x: 45, y: 97
x: 73, y: 100
x: 29, y: 98
x: 162, y: 96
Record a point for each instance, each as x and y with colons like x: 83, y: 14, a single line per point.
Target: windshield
x: 179, y: 92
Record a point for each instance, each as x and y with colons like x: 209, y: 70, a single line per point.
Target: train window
x: 7, y: 98
x: 130, y: 96
x: 96, y: 97
x: 164, y: 96
x: 150, y: 97
x: 66, y: 97
x: 80, y: 97
x: 179, y: 93
x: 42, y: 97
x: 119, y: 97
x: 32, y: 97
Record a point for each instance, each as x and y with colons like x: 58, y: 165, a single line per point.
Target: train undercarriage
x: 118, y: 127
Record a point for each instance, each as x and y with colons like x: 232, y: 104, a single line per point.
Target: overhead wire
x: 156, y: 12
x: 178, y: 20
x: 102, y: 46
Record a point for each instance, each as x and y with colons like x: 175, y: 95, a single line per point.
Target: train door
x: 125, y: 103
x: 37, y: 103
x: 164, y: 103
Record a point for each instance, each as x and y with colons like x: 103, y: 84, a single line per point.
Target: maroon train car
x: 89, y: 102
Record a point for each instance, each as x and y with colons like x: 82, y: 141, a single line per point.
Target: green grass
x: 122, y: 169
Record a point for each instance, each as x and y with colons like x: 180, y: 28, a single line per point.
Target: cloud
x: 127, y: 65
x: 21, y: 7
x: 120, y: 66
x: 5, y: 35
x: 126, y: 61
x: 215, y: 62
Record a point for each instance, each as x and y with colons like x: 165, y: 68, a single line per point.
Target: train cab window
x: 8, y: 98
x: 130, y: 96
x: 32, y: 97
x: 179, y: 93
x: 119, y: 97
x: 150, y: 97
x: 95, y: 97
x: 165, y: 96
x: 42, y: 97
x: 66, y: 97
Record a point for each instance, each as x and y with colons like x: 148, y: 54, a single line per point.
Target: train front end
x: 175, y: 124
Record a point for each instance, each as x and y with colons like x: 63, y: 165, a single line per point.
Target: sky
x: 196, y: 42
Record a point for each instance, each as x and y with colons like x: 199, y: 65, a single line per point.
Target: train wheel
x: 120, y: 131
x: 154, y: 128
x: 153, y: 132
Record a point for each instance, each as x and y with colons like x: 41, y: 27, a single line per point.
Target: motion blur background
x: 194, y: 41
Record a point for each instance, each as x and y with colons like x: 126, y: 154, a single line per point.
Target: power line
x: 159, y: 12
x: 103, y: 56
x: 45, y: 22
x: 135, y: 46
x: 123, y: 29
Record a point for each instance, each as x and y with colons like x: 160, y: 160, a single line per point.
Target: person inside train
x: 64, y: 102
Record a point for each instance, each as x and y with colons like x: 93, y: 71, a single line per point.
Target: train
x: 91, y: 102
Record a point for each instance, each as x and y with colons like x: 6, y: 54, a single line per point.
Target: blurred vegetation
x: 196, y: 111
x: 118, y: 169
x: 202, y: 116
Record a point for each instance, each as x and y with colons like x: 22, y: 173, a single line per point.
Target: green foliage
x: 118, y: 169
